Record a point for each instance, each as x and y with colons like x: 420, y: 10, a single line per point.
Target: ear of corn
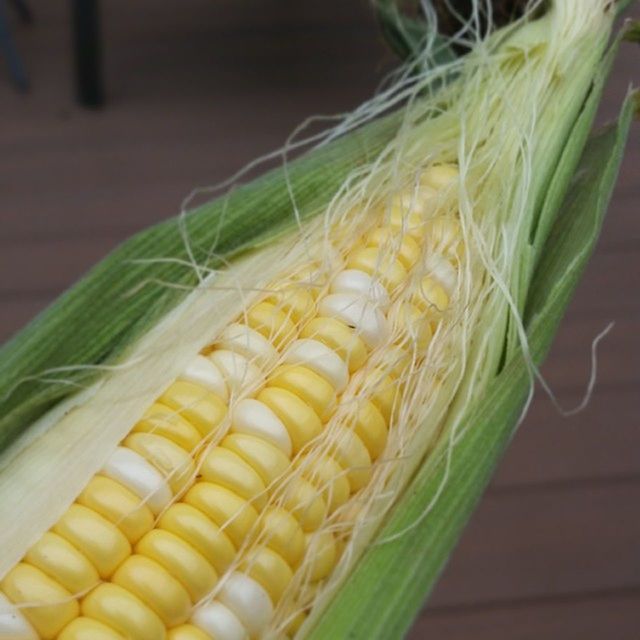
x: 143, y: 546
x: 258, y: 451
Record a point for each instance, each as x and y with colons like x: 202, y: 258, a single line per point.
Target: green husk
x: 385, y: 592
x: 397, y: 571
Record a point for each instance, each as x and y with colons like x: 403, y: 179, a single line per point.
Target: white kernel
x: 249, y: 601
x: 420, y: 201
x: 13, y: 625
x: 363, y: 316
x: 219, y: 622
x: 442, y: 270
x: 134, y: 472
x: 440, y: 176
x: 205, y: 373
x: 356, y: 281
x: 249, y: 343
x: 319, y: 358
x: 255, y: 418
x: 241, y: 375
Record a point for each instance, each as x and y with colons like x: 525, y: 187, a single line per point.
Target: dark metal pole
x: 87, y: 51
x: 8, y: 49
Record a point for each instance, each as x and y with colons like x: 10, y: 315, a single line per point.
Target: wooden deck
x: 198, y: 88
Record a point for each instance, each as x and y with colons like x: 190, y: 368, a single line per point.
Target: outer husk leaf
x: 389, y: 584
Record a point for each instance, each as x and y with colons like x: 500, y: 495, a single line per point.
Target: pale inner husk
x: 43, y: 475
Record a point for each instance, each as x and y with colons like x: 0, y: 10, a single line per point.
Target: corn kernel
x: 118, y: 608
x: 181, y: 560
x: 54, y: 607
x: 97, y: 538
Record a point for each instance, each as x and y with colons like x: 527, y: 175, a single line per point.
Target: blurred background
x: 193, y: 91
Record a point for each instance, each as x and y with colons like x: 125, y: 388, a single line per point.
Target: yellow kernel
x: 61, y: 561
x: 88, y: 629
x: 54, y: 607
x: 173, y: 462
x: 308, y: 593
x: 225, y: 468
x: 348, y: 518
x: 338, y: 336
x: 404, y: 222
x: 294, y: 621
x: 190, y: 524
x: 150, y: 582
x: 326, y: 474
x: 440, y: 176
x: 272, y: 322
x: 300, y: 420
x: 282, y: 533
x: 296, y: 302
x: 370, y: 260
x: 405, y: 247
x: 381, y: 389
x: 412, y: 324
x: 181, y: 560
x: 187, y: 632
x: 98, y: 539
x: 118, y: 608
x: 266, y: 459
x: 419, y: 201
x: 321, y: 553
x: 312, y: 277
x: 315, y: 390
x: 202, y: 408
x: 431, y: 297
x: 350, y: 452
x: 118, y: 505
x: 269, y: 569
x: 444, y: 235
x: 371, y: 427
x: 165, y: 422
x: 234, y: 515
x: 305, y: 503
x: 396, y: 361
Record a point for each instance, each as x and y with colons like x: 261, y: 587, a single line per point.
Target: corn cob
x: 187, y: 533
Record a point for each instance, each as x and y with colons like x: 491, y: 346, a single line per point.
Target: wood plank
x: 46, y: 267
x: 598, y: 443
x: 547, y: 542
x: 615, y: 615
x: 568, y: 366
x: 15, y: 313
x: 609, y: 277
x: 195, y: 93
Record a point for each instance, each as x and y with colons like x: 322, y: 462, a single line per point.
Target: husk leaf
x: 387, y: 588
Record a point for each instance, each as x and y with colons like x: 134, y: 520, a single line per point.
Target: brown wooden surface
x: 198, y: 88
